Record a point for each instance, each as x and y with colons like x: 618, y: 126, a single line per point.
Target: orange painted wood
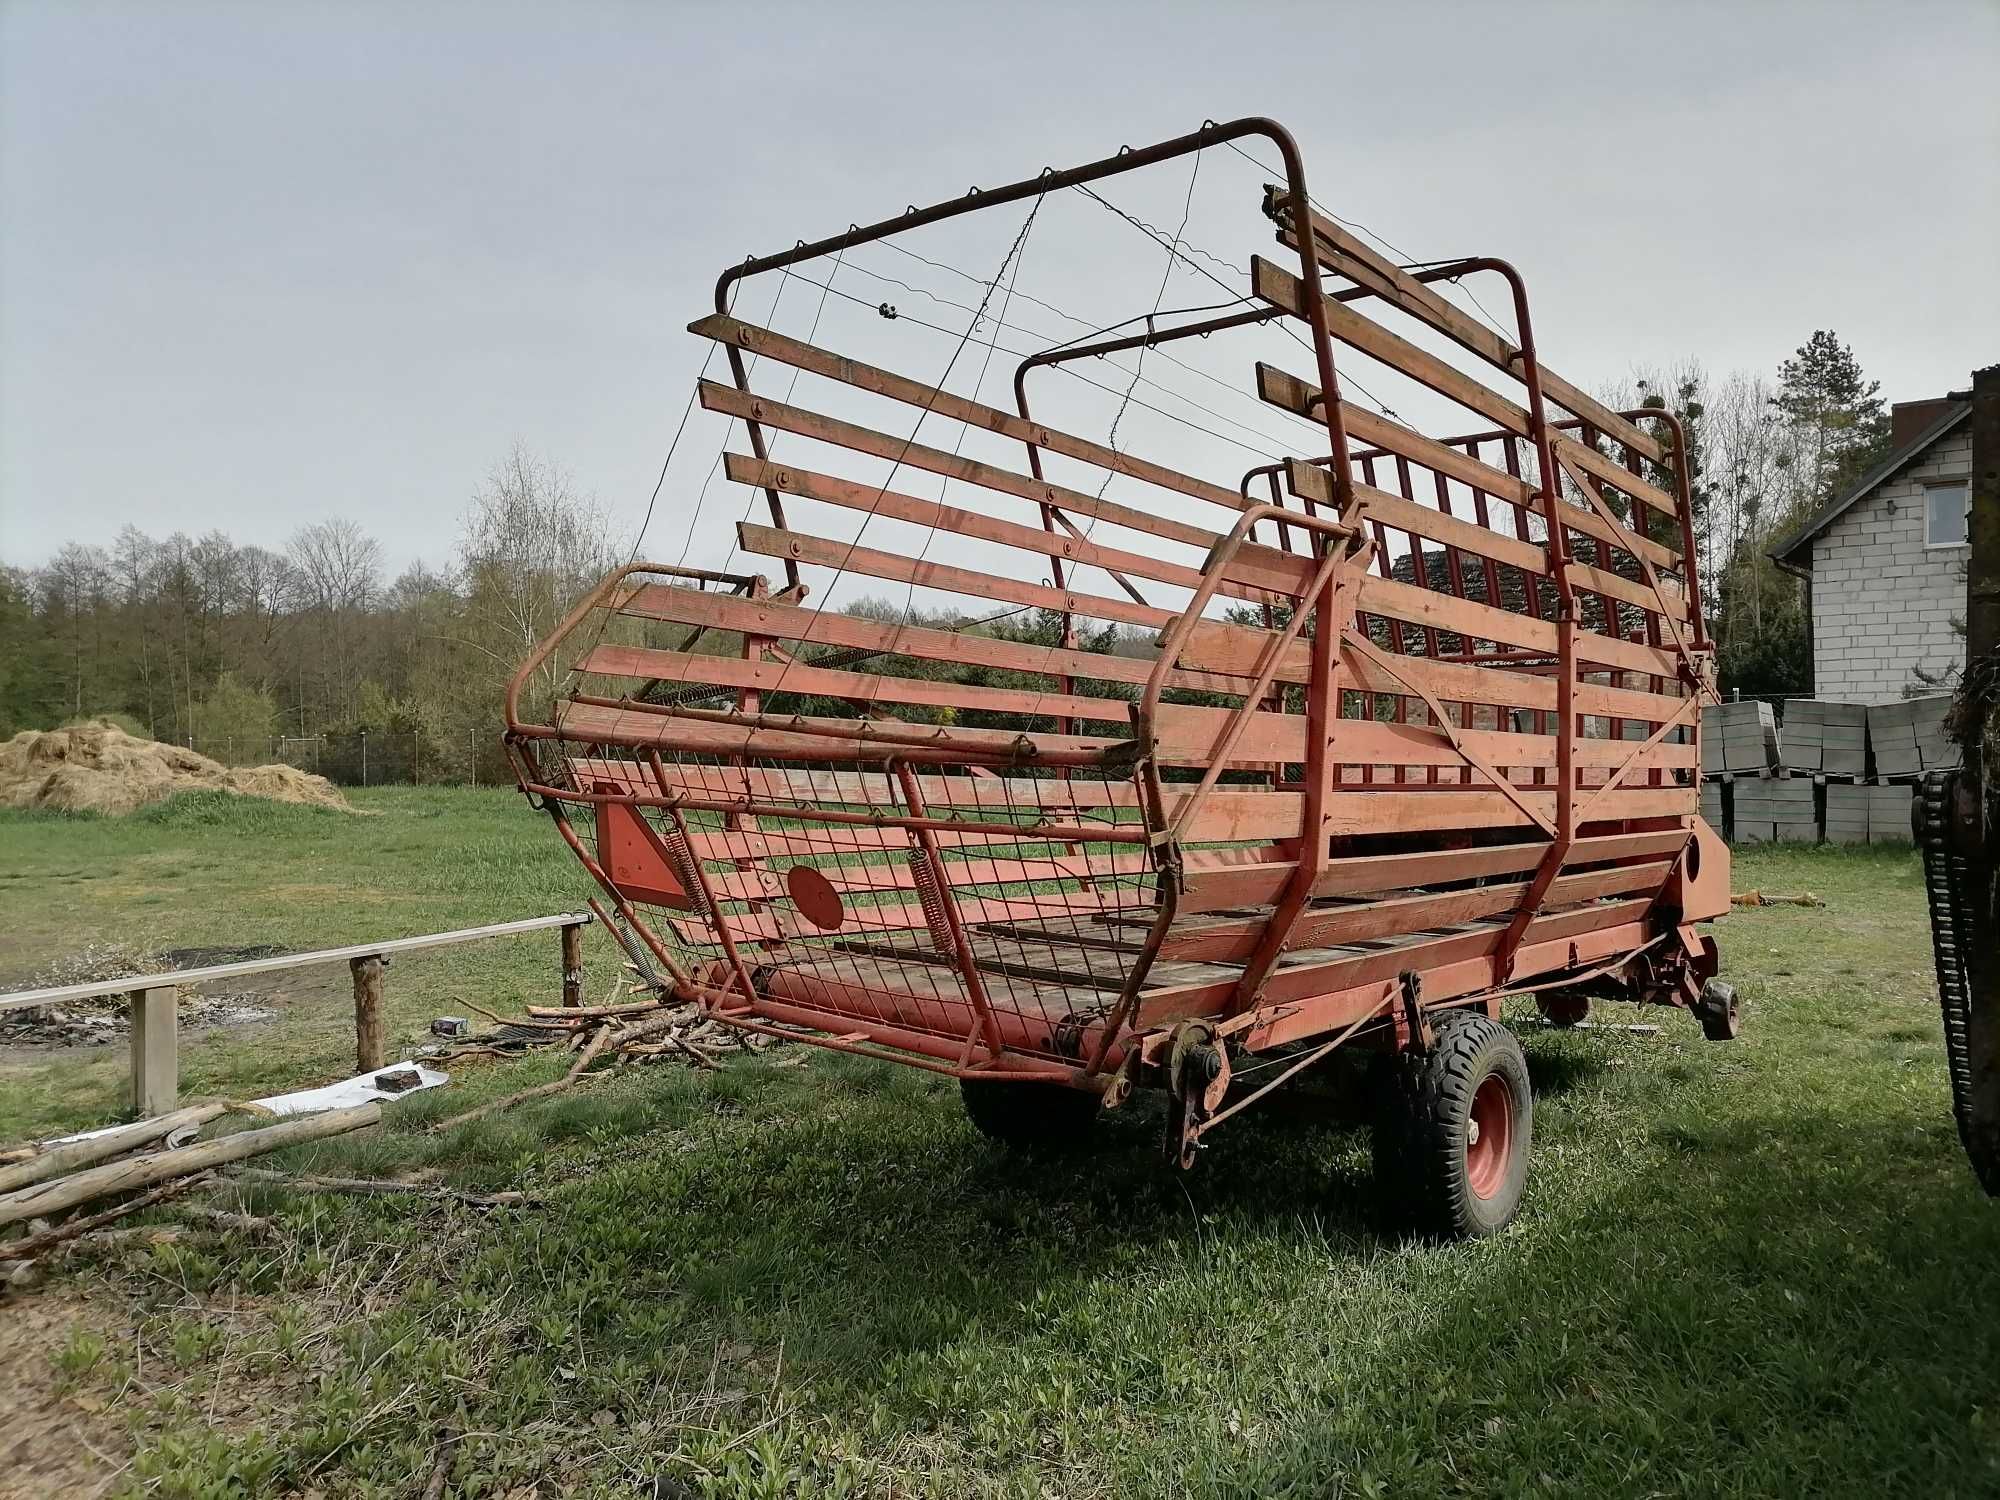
x: 904, y: 450
x: 804, y: 356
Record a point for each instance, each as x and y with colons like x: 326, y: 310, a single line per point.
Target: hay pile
x: 98, y: 767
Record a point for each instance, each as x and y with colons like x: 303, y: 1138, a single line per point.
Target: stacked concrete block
x: 1777, y: 808
x: 1892, y: 731
x: 1713, y: 807
x: 1939, y: 751
x: 1847, y: 812
x: 1888, y: 813
x: 1909, y: 737
x: 1826, y: 739
x: 1739, y: 739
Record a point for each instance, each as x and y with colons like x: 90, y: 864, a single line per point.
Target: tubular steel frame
x: 1275, y: 908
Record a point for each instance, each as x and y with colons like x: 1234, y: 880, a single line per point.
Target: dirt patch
x: 107, y: 1018
x: 98, y: 767
x: 60, y: 1434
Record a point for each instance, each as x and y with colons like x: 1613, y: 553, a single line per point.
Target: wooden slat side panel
x: 1363, y: 809
x: 809, y: 424
x: 1293, y: 394
x: 1327, y: 927
x: 1309, y: 482
x: 1281, y: 388
x: 796, y: 677
x: 771, y: 345
x: 1282, y: 289
x: 895, y: 567
x: 1348, y: 255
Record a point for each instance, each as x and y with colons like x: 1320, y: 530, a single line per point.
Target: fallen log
x: 28, y: 1247
x: 69, y: 1155
x: 158, y: 1166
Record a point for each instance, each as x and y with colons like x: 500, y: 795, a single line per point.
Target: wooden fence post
x: 368, y: 1040
x: 572, y: 963
x: 155, y: 1050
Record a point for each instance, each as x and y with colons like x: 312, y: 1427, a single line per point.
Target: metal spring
x: 681, y: 858
x: 933, y: 902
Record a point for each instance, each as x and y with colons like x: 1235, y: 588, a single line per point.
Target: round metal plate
x: 813, y: 894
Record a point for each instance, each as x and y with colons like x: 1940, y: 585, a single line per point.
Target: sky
x: 266, y: 264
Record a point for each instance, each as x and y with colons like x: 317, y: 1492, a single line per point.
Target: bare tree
x: 339, y: 572
x: 532, y: 545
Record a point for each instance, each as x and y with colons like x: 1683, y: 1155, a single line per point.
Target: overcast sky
x: 261, y: 264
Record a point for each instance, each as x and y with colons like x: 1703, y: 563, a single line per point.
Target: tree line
x: 237, y: 649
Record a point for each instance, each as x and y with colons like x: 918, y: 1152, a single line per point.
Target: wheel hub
x: 1489, y: 1133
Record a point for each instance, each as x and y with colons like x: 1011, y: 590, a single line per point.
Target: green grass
x: 1748, y: 1268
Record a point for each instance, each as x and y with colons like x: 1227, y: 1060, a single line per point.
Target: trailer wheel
x: 1452, y: 1133
x: 1029, y: 1116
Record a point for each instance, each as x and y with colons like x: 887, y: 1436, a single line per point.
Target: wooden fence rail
x: 155, y: 1027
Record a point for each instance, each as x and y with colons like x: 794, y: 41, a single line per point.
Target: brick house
x: 1884, y: 564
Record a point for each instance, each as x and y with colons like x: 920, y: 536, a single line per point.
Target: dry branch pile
x: 643, y: 1031
x: 98, y: 767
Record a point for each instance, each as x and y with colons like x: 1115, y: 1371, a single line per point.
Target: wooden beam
x: 1348, y: 256
x: 803, y: 356
x: 1284, y: 290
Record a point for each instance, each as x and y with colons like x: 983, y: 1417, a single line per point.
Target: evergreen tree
x: 1838, y: 414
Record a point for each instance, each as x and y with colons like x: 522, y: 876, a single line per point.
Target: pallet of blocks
x: 1739, y: 739
x: 1714, y: 807
x: 1775, y: 808
x: 1888, y: 813
x: 1825, y: 739
x: 1847, y: 811
x: 1909, y: 737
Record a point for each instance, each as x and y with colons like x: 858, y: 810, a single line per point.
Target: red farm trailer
x: 1204, y: 768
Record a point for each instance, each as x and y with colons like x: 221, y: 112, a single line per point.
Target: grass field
x: 1750, y: 1268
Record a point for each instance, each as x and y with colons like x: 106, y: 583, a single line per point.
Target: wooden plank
x: 1281, y: 388
x: 803, y: 356
x: 868, y: 789
x: 1372, y: 809
x: 836, y: 739
x: 1369, y: 873
x: 1452, y: 682
x: 970, y: 583
x: 1294, y: 394
x: 1310, y: 482
x: 1306, y: 980
x: 1328, y: 927
x: 797, y: 677
x: 878, y: 500
x: 903, y: 450
x: 1628, y: 590
x: 1618, y: 476
x: 1284, y: 290
x: 829, y: 628
x: 1346, y: 254
x: 21, y: 999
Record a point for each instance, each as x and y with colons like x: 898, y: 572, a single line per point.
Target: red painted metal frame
x: 1334, y: 569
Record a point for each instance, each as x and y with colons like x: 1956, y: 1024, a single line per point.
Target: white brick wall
x: 1883, y: 603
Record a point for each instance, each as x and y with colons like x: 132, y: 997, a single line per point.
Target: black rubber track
x: 1420, y: 1130
x: 1030, y: 1116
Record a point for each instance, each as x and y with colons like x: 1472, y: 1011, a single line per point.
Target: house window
x: 1947, y: 510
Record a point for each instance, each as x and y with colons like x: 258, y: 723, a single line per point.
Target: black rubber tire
x: 1423, y: 1120
x: 1029, y: 1116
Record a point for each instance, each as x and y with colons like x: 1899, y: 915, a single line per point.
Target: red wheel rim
x: 1489, y: 1136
